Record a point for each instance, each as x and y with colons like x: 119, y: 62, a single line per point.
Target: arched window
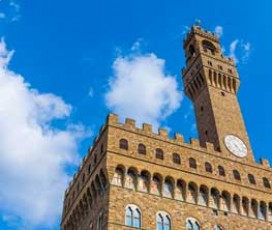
x: 156, y: 185
x: 225, y: 201
x: 192, y: 163
x: 203, y: 195
x: 254, y: 208
x: 192, y: 193
x: 123, y: 144
x: 208, y: 167
x: 236, y: 204
x: 143, y: 182
x: 245, y: 206
x: 163, y: 221
x: 118, y: 176
x: 141, y: 149
x: 266, y: 182
x: 221, y: 171
x: 215, y: 198
x: 176, y: 158
x: 168, y: 188
x: 131, y: 179
x: 133, y: 216
x: 236, y: 175
x: 180, y: 190
x: 251, y: 179
x: 262, y: 211
x: 208, y: 46
x: 192, y: 224
x: 159, y: 153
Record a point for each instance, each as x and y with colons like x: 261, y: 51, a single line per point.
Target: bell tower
x: 211, y: 81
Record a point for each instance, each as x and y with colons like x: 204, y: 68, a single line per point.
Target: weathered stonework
x: 116, y: 172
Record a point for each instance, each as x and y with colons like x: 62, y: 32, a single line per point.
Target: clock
x: 235, y: 145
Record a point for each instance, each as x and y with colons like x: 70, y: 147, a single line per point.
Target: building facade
x: 134, y: 178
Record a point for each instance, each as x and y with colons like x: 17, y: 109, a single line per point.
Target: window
x: 131, y: 179
x: 251, y: 179
x: 203, y: 195
x: 221, y: 171
x: 245, y: 204
x: 83, y: 177
x: 225, y: 201
x: 254, y: 207
x: 230, y: 71
x: 100, y: 221
x: 90, y: 168
x: 236, y: 175
x: 123, y: 144
x: 168, y: 188
x: 156, y: 185
x: 209, y: 63
x: 266, y: 182
x: 208, y: 46
x: 236, y: 203
x: 192, y: 224
x: 143, y: 182
x: 159, y: 154
x: 220, y: 67
x: 192, y: 163
x: 163, y: 221
x: 262, y: 211
x: 133, y: 216
x: 208, y: 167
x: 118, y: 177
x: 215, y: 198
x: 176, y: 158
x: 102, y: 149
x: 217, y: 227
x: 141, y: 149
x: 192, y: 193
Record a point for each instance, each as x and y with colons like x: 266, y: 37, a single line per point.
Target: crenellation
x: 194, y: 142
x: 147, y: 128
x: 163, y: 133
x: 179, y: 138
x: 265, y: 162
x: 112, y: 119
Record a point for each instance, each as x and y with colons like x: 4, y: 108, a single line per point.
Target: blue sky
x: 64, y: 65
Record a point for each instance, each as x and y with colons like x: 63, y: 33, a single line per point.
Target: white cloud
x: 141, y: 89
x: 33, y: 153
x: 91, y: 92
x: 246, y: 51
x: 2, y: 15
x: 233, y: 48
x: 218, y: 31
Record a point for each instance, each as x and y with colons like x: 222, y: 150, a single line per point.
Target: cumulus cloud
x: 233, y: 47
x: 141, y: 89
x: 218, y: 31
x: 33, y: 152
x: 240, y: 50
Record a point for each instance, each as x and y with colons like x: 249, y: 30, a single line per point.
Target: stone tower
x: 134, y: 178
x: 211, y: 81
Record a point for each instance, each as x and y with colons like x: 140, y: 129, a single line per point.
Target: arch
x: 159, y: 153
x: 98, y: 184
x: 163, y: 220
x: 168, y: 188
x: 176, y: 158
x: 203, y: 197
x: 192, y: 224
x: 118, y: 177
x: 217, y: 227
x: 236, y: 175
x: 236, y: 204
x: 266, y: 182
x: 123, y: 144
x: 262, y: 211
x: 143, y: 181
x: 131, y: 179
x: 191, y: 50
x: 245, y: 206
x: 133, y: 216
x: 142, y: 149
x: 221, y: 171
x: 192, y: 193
x: 215, y: 78
x: 208, y: 46
x: 251, y: 179
x: 93, y: 190
x: 103, y: 179
x: 208, y: 167
x: 225, y: 201
x: 210, y: 77
x: 269, y: 212
x: 156, y: 184
x: 180, y: 191
x: 192, y: 163
x: 254, y: 208
x: 215, y: 201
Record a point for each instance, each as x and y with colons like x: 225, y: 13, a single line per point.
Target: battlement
x: 162, y: 133
x: 197, y: 30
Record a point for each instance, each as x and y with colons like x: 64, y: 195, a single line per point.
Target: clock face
x: 236, y: 146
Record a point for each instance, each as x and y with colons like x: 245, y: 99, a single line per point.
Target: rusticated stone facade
x: 134, y: 178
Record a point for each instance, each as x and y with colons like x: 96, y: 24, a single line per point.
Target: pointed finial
x: 197, y: 22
